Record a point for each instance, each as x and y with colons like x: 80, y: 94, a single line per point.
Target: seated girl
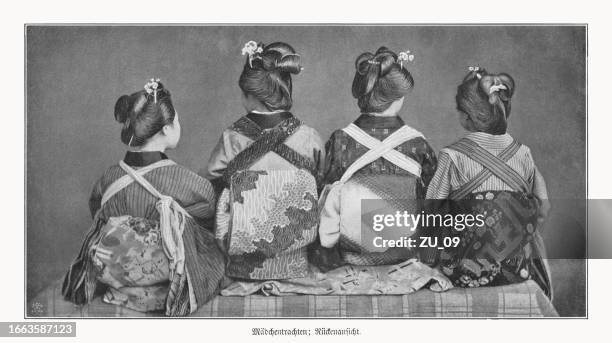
x: 489, y: 173
x: 266, y: 166
x: 145, y: 246
x: 376, y: 157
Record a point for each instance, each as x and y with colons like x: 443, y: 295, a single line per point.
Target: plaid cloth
x: 519, y: 300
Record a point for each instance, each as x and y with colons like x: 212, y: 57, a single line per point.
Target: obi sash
x: 171, y: 222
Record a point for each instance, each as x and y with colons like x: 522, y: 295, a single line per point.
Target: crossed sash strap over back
x: 265, y: 141
x: 384, y: 149
x: 492, y: 165
x: 127, y: 179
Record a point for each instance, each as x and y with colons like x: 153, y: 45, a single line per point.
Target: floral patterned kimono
x: 384, y: 178
x: 495, y: 176
x: 135, y: 270
x: 267, y: 167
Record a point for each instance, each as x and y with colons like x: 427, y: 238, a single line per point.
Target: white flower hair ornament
x: 151, y: 87
x: 252, y: 49
x: 497, y: 88
x: 404, y: 56
x: 475, y: 70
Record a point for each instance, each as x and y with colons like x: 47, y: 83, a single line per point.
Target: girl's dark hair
x: 487, y: 108
x: 142, y: 117
x: 267, y: 75
x: 380, y: 80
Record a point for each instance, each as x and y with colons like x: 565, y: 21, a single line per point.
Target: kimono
x: 342, y: 151
x: 266, y: 168
x: 305, y: 141
x: 142, y: 281
x: 494, y: 176
x: 399, y: 186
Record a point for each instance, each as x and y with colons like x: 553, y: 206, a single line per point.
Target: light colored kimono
x: 305, y: 141
x: 267, y: 211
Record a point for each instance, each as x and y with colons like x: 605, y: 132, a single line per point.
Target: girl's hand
x: 543, y: 212
x: 325, y: 259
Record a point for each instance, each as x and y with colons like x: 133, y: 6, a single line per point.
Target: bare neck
x: 152, y: 145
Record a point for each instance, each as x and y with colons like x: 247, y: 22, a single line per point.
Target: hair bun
x: 289, y: 63
x: 279, y: 57
x: 387, y: 61
x: 162, y: 91
x: 161, y: 88
x: 386, y: 58
x: 122, y: 109
x: 508, y: 81
x: 379, y: 80
x: 497, y: 86
x: 373, y: 67
x: 362, y: 63
x: 267, y: 73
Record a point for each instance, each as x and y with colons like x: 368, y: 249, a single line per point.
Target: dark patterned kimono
x: 342, y: 150
x: 203, y: 259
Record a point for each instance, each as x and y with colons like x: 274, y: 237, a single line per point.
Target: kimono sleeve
x: 332, y: 169
x: 533, y: 176
x: 540, y: 191
x: 95, y: 198
x: 539, y: 185
x: 319, y: 156
x: 329, y: 226
x: 429, y: 164
x: 440, y: 185
x: 217, y: 163
x: 199, y: 201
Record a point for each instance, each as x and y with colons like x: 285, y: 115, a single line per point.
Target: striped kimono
x: 202, y: 258
x: 496, y: 176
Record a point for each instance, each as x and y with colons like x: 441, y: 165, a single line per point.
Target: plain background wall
x: 75, y: 75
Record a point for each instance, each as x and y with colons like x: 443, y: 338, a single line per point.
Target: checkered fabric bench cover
x: 519, y: 300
